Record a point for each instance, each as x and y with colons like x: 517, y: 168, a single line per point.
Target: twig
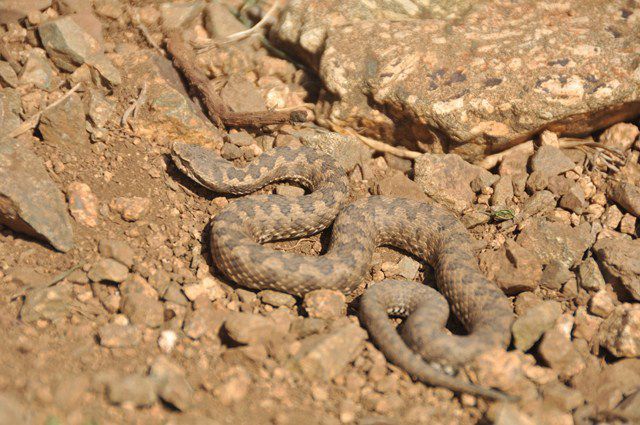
x: 375, y: 144
x: 184, y: 59
x: 135, y: 18
x: 133, y: 108
x: 33, y: 121
x: 491, y: 161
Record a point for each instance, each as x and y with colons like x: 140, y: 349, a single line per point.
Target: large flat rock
x: 30, y: 202
x: 470, y: 77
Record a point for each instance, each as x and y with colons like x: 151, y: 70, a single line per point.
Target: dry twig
x: 379, y: 146
x: 135, y: 106
x: 33, y: 121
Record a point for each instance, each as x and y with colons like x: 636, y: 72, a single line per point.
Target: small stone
x: 555, y: 275
x: 620, y: 332
x: 399, y: 185
x: 325, y: 304
x: 130, y: 209
x: 619, y: 136
x: 408, y: 268
x: 116, y: 250
x: 556, y: 241
x: 37, y: 70
x: 528, y: 328
x: 629, y: 408
x: 114, y: 335
x: 538, y: 203
x: 612, y: 217
x: 619, y: 259
x: 325, y: 356
x: 585, y: 326
x: 574, y: 200
x: 109, y: 8
x: 560, y: 354
x: 172, y: 385
x: 241, y: 138
x: 213, y: 288
x: 537, y: 181
x: 601, y: 304
x: 101, y: 110
x: 589, y: 276
x: 83, y: 204
x: 142, y: 309
x: 247, y: 328
x: 47, y: 303
x: 167, y: 341
x: 550, y: 161
x: 194, y: 290
x: 502, y: 192
x: 235, y: 389
x: 628, y: 224
x: 65, y: 123
x: 626, y: 195
x: 241, y: 95
x: 276, y: 298
x: 220, y: 22
x: 67, y: 44
x: 180, y: 15
x: 108, y: 270
x: 561, y: 396
x: 287, y: 190
x: 8, y: 76
x: 204, y: 321
x: 133, y: 390
x: 230, y: 152
x: 512, y: 267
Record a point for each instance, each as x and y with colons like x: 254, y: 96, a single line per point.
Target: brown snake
x: 426, y: 231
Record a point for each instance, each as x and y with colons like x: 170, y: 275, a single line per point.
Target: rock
x: 537, y: 204
x: 619, y: 260
x: 113, y: 335
x: 15, y: 10
x: 620, y: 136
x: 67, y: 44
x: 574, y: 199
x: 620, y: 332
x: 230, y: 152
x: 37, y: 70
x: 180, y: 15
x: 605, y: 387
x: 626, y: 195
x: 10, y: 109
x: 585, y: 326
x: 560, y: 354
x: 12, y: 411
x: 512, y: 268
x: 83, y: 204
x: 247, y: 328
x: 220, y: 22
x: 167, y: 341
x: 502, y: 192
x: 130, y: 209
x: 109, y: 8
x: 116, y: 250
x: 30, y: 202
x: 325, y: 304
x: 589, y: 276
x: 556, y: 241
x: 8, y: 76
x: 462, y: 102
x: 204, y: 321
x: 172, y: 385
x: 447, y: 178
x: 508, y: 414
x: 325, y: 356
x: 286, y: 190
x: 612, y: 217
x: 601, y: 303
x: 101, y: 111
x: 555, y: 275
x: 629, y: 408
x: 234, y: 389
x: 241, y: 95
x: 142, y: 309
x: 52, y: 304
x: 347, y: 150
x: 133, y: 390
x: 550, y: 161
x: 503, y: 370
x: 276, y: 298
x: 628, y: 224
x: 408, y: 268
x: 561, y: 396
x: 108, y: 270
x: 528, y: 328
x: 64, y: 123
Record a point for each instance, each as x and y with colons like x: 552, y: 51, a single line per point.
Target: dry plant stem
x: 133, y: 108
x: 491, y: 161
x: 377, y: 145
x: 185, y: 60
x: 33, y: 121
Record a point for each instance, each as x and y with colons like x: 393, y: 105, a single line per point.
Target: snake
x: 428, y: 231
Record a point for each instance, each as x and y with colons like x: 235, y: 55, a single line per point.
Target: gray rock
x: 180, y: 15
x: 230, y: 152
x: 620, y: 332
x: 276, y: 298
x: 108, y: 270
x: 447, y: 178
x: 555, y: 275
x: 241, y: 138
x: 37, y: 70
x: 8, y: 76
x: 204, y: 321
x: 102, y: 69
x: 418, y: 89
x: 537, y: 204
x: 247, y: 328
x: 347, y: 150
x: 65, y: 123
x: 620, y: 262
x: 143, y: 309
x: 30, y: 202
x: 325, y: 356
x: 287, y: 190
x: 49, y: 303
x: 550, y: 161
x: 134, y: 390
x: 556, y: 241
x: 113, y: 335
x: 241, y: 95
x: 513, y: 268
x: 502, y: 192
x: 574, y: 200
x: 67, y: 44
x: 559, y: 353
x: 101, y: 111
x: 117, y: 250
x: 561, y: 396
x: 408, y: 268
x: 14, y: 10
x: 589, y: 276
x: 537, y: 181
x: 626, y: 195
x: 325, y: 304
x: 171, y: 383
x: 528, y: 328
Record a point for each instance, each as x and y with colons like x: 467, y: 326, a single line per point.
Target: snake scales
x: 427, y: 231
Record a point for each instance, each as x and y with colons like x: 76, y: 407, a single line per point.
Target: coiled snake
x: 426, y: 231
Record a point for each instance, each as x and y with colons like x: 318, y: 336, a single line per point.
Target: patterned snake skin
x: 426, y: 231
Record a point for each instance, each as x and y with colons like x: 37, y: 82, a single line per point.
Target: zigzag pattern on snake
x: 427, y: 231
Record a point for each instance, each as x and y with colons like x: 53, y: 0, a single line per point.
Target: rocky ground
x: 111, y: 311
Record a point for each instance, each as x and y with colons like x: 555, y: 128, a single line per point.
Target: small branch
x: 491, y: 161
x: 33, y: 121
x: 185, y: 60
x: 133, y: 108
x: 377, y: 145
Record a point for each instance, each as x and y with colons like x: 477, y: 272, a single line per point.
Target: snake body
x: 424, y: 230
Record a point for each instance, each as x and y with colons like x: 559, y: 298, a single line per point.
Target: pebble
x: 130, y: 209
x: 620, y: 136
x: 167, y: 341
x: 628, y: 224
x: 108, y: 270
x: 550, y: 161
x: 620, y: 332
x: 234, y: 389
x: 555, y: 275
x: 589, y: 276
x: 325, y: 304
x: 560, y: 354
x: 180, y: 15
x: 626, y: 195
x: 585, y: 326
x: 230, y: 152
x: 529, y: 327
x: 65, y: 123
x: 51, y: 304
x: 502, y: 192
x: 142, y: 309
x: 561, y: 396
x: 276, y: 298
x: 171, y: 383
x: 113, y: 335
x: 556, y: 241
x: 619, y: 259
x: 240, y: 138
x: 287, y: 190
x: 37, y: 70
x: 601, y: 304
x: 8, y: 76
x: 83, y: 204
x: 247, y: 328
x: 117, y: 250
x: 133, y: 390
